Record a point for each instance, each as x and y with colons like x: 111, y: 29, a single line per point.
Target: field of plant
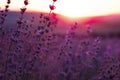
x: 30, y: 52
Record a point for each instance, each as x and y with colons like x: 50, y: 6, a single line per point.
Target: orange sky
x: 72, y: 8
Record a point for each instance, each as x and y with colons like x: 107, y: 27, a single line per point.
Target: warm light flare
x: 71, y: 8
x: 75, y: 8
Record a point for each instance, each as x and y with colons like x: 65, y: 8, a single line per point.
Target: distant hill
x: 105, y: 24
x: 109, y: 24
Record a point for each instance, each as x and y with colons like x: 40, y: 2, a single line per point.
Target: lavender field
x: 32, y: 48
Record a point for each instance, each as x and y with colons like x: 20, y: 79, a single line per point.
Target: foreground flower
x: 52, y: 7
x: 8, y: 1
x: 26, y: 2
x: 23, y: 10
x: 54, y: 0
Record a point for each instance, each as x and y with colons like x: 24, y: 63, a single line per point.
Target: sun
x: 83, y: 8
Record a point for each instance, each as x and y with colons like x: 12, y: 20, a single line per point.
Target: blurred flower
x: 6, y: 10
x: 52, y: 7
x: 46, y: 18
x: 89, y: 30
x: 8, y: 1
x: 41, y: 15
x: 26, y: 2
x: 23, y: 10
x: 54, y: 0
x: 7, y: 6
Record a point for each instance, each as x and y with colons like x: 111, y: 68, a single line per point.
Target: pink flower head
x: 7, y: 6
x: 26, y: 2
x: 23, y: 10
x: 52, y: 7
x: 54, y: 0
x: 8, y: 1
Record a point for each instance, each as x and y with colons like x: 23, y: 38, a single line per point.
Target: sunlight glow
x: 71, y: 8
x: 75, y: 8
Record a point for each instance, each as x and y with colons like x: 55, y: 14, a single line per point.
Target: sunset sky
x: 71, y: 8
